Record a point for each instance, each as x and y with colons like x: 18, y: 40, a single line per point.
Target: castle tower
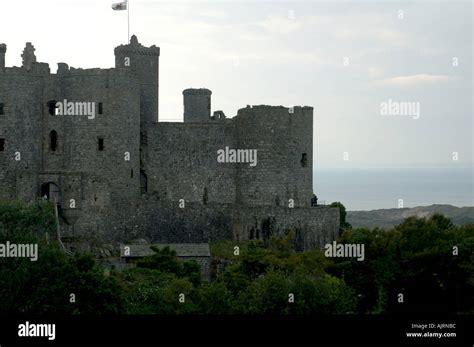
x: 3, y: 50
x: 197, y: 105
x: 144, y: 62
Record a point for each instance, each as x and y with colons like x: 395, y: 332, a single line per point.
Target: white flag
x: 120, y: 6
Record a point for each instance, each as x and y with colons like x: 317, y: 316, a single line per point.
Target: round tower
x: 144, y: 62
x: 197, y: 105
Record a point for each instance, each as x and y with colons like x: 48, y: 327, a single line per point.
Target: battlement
x: 256, y: 112
x: 197, y: 91
x: 260, y: 108
x: 137, y: 48
x: 66, y: 71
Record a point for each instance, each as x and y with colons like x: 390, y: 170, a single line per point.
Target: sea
x: 379, y: 188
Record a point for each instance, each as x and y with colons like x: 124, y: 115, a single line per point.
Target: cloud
x: 414, y: 80
x: 375, y: 72
x: 280, y: 24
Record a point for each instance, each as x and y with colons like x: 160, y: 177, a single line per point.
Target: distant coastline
x: 387, y: 218
x: 371, y: 189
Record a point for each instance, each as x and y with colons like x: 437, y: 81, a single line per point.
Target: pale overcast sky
x: 288, y: 53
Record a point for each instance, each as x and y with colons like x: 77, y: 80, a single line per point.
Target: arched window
x: 53, y: 141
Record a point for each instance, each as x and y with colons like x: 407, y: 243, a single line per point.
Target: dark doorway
x: 51, y: 191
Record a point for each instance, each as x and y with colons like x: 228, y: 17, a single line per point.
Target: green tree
x: 342, y: 215
x: 45, y: 286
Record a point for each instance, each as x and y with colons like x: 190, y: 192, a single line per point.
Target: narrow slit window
x: 52, y: 108
x: 101, y: 144
x: 144, y: 182
x: 101, y: 108
x: 2, y: 145
x: 53, y: 141
x: 2, y: 109
x: 304, y: 160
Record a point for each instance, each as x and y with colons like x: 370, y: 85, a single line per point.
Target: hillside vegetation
x: 417, y: 258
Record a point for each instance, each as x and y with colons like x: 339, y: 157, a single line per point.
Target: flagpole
x: 128, y: 19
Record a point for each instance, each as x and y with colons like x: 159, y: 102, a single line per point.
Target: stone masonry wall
x: 118, y: 199
x: 161, y: 222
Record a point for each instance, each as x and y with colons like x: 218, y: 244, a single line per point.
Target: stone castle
x: 118, y: 174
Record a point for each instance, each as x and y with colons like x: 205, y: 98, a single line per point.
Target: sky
x: 346, y: 59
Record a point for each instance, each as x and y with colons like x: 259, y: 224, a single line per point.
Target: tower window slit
x: 53, y: 141
x: 304, y: 160
x: 101, y: 144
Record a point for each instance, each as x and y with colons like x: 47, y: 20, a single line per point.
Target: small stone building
x: 185, y: 251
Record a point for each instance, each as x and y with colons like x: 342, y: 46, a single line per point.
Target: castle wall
x: 93, y: 178
x: 20, y: 127
x: 106, y: 175
x: 183, y: 162
x: 158, y: 221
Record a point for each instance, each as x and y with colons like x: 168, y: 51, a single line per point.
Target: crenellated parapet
x: 137, y: 48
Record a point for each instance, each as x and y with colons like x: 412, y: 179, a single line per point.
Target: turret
x: 197, y: 105
x: 144, y: 62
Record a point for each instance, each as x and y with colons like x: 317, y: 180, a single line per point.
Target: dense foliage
x: 54, y: 281
x: 429, y: 261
